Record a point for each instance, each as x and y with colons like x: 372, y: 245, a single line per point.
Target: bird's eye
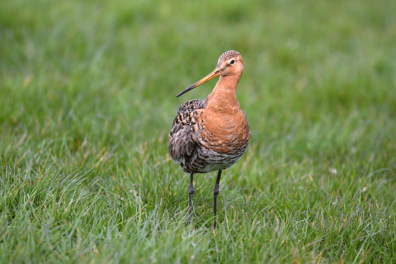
x: 232, y: 62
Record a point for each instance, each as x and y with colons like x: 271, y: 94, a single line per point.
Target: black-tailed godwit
x: 211, y: 134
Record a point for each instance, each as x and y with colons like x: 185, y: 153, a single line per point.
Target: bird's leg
x: 215, y: 193
x: 191, y: 193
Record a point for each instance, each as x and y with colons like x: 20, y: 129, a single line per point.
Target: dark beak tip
x: 186, y: 90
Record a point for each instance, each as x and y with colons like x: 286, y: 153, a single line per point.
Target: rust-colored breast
x: 225, y: 133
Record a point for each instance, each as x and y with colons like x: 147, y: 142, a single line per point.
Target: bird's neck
x: 223, y: 97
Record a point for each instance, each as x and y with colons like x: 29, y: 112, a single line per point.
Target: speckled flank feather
x: 211, y: 134
x: 183, y: 144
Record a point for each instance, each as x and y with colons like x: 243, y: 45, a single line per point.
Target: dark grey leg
x: 215, y: 193
x: 191, y: 193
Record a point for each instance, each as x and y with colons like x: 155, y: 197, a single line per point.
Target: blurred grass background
x: 88, y: 98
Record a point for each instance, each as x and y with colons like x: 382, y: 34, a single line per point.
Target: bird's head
x: 229, y: 63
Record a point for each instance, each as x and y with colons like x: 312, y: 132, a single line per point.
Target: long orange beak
x: 208, y: 77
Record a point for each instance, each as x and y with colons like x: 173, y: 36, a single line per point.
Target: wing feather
x: 183, y: 146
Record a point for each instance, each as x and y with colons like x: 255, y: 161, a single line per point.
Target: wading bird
x: 211, y: 134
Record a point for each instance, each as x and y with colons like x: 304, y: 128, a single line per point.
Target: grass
x: 88, y: 98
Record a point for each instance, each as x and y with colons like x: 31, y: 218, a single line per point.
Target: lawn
x: 87, y: 95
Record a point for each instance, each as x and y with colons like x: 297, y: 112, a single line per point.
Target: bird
x: 212, y: 134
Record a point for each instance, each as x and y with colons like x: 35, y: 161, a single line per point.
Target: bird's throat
x: 223, y: 100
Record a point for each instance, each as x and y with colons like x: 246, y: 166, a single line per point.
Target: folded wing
x: 186, y: 128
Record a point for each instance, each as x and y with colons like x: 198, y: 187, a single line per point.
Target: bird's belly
x: 209, y: 160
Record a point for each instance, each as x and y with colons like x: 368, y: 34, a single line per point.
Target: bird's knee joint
x: 191, y: 190
x: 216, y: 191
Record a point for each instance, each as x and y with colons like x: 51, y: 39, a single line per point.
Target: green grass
x: 88, y: 98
